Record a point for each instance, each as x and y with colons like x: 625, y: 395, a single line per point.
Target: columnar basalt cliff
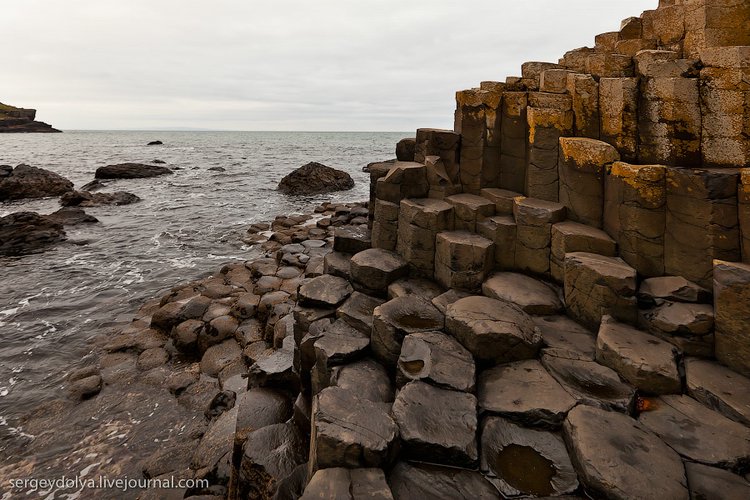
x: 548, y: 300
x: 14, y: 119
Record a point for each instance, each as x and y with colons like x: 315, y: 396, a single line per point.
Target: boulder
x: 438, y: 359
x: 641, y: 359
x: 315, y: 178
x: 25, y: 181
x: 374, y: 269
x: 28, y: 232
x: 719, y: 388
x: 87, y: 199
x: 398, y: 318
x: 437, y: 425
x: 493, y: 330
x: 130, y: 171
x: 71, y: 216
x: 531, y: 295
x: 525, y: 393
x: 324, y: 291
x: 348, y: 484
x: 522, y: 461
x: 698, y: 433
x: 405, y: 149
x: 413, y: 480
x: 616, y: 457
x: 336, y: 441
x: 591, y: 383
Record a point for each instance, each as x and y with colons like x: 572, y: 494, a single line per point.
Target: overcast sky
x: 376, y: 65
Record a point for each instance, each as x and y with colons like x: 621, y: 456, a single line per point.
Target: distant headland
x: 19, y: 120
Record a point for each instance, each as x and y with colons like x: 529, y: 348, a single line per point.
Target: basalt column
x: 443, y: 143
x: 743, y: 198
x: 618, y: 108
x: 478, y: 120
x: 514, y: 133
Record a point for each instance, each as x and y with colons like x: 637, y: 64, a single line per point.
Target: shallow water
x: 187, y: 225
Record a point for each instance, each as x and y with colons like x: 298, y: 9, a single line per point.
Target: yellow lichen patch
x: 584, y: 153
x: 648, y: 181
x: 548, y: 118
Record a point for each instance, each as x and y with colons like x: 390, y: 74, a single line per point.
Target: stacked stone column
x: 715, y: 23
x: 618, y: 109
x: 403, y: 180
x: 743, y: 199
x: 514, y: 133
x: 584, y: 91
x: 445, y: 144
x: 420, y: 220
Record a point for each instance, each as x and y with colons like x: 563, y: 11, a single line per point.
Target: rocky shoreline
x: 20, y: 120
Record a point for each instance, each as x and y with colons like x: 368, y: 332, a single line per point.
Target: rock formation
x: 130, y: 171
x: 25, y: 181
x: 315, y: 178
x: 18, y: 120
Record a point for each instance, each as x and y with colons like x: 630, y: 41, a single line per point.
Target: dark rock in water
x: 28, y: 232
x: 155, y: 143
x: 158, y: 162
x: 405, y: 149
x: 410, y: 481
x: 84, y: 382
x: 524, y: 461
x: 94, y: 185
x: 71, y: 216
x: 218, y: 169
x: 25, y: 181
x: 315, y: 178
x: 20, y: 120
x: 86, y: 199
x: 130, y: 171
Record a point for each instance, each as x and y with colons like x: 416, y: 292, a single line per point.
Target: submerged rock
x: 25, y: 181
x: 71, y: 216
x: 130, y: 171
x: 87, y: 199
x: 315, y: 178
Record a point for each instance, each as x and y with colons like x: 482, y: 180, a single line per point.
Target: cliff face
x: 14, y: 119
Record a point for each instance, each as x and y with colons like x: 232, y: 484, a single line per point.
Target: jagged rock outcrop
x: 20, y: 120
x: 28, y: 232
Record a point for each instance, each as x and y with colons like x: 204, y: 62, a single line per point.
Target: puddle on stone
x: 417, y: 322
x: 524, y: 469
x: 413, y: 367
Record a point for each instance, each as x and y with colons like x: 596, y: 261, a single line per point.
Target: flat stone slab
x: 675, y: 318
x: 493, y: 330
x: 531, y: 295
x: 357, y: 311
x: 367, y: 378
x: 616, y: 457
x: 438, y: 359
x: 374, y: 269
x: 522, y: 461
x: 420, y: 287
x: 463, y: 259
x: 415, y: 481
x: 348, y: 484
x: 525, y: 393
x: 351, y: 239
x: 398, y: 318
x: 565, y: 338
x: 591, y: 383
x: 437, y: 425
x: 643, y: 360
x: 443, y: 300
x: 349, y: 431
x: 705, y: 482
x: 324, y: 291
x: 674, y: 288
x: 719, y: 388
x: 698, y: 433
x: 340, y: 343
x: 338, y: 264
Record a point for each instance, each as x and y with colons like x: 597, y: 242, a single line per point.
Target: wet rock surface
x: 28, y: 232
x: 130, y: 171
x: 26, y: 181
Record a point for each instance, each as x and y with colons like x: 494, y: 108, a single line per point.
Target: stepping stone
x: 438, y: 359
x: 616, y: 457
x: 337, y: 345
x: 568, y: 237
x: 596, y: 285
x: 719, y: 388
x: 258, y: 408
x: 501, y: 230
x: 641, y: 359
x: 351, y: 239
x: 373, y: 270
x: 470, y: 209
x: 218, y: 356
x: 525, y: 393
x: 698, y: 433
x: 437, y: 425
x: 674, y: 288
x: 245, y: 306
x: 565, y: 338
x: 348, y: 484
x: 357, y: 311
x: 398, y: 318
x: 591, y: 383
x: 367, y: 378
x: 535, y: 218
x: 502, y: 198
x: 269, y: 455
x: 349, y: 431
x: 689, y: 327
x: 493, y: 330
x: 531, y: 295
x: 419, y: 222
x: 324, y: 291
x: 412, y: 480
x: 732, y: 300
x: 442, y: 301
x: 523, y: 461
x: 338, y: 264
x: 463, y: 260
x: 274, y: 370
x: 706, y: 482
x: 420, y: 287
